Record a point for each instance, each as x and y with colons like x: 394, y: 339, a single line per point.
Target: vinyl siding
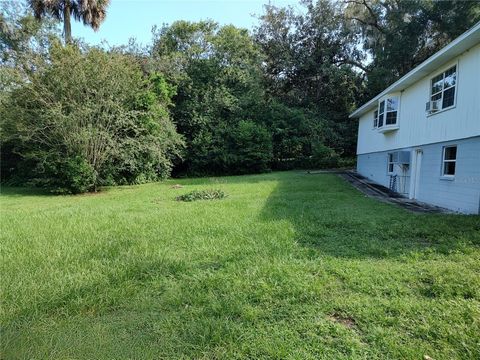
x: 415, y: 127
x: 461, y: 194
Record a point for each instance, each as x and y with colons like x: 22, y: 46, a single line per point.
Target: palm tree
x: 90, y: 12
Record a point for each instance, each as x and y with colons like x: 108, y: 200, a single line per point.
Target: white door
x: 415, y: 174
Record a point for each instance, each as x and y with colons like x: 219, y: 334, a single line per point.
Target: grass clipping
x: 210, y: 194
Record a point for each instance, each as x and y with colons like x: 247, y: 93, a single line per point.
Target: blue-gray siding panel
x: 460, y: 194
x: 375, y: 167
x: 463, y: 192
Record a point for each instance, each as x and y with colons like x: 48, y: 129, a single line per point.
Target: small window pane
x: 450, y: 77
x: 436, y: 97
x: 448, y: 97
x: 437, y: 83
x: 449, y: 168
x: 381, y: 109
x: 391, y: 118
x: 392, y: 104
x: 451, y: 153
x: 390, y: 163
x: 375, y: 118
x: 380, y: 120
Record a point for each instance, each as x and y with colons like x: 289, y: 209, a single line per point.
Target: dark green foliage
x: 217, y: 74
x: 87, y: 119
x: 324, y: 157
x: 309, y: 74
x: 236, y: 116
x: 210, y: 194
x: 251, y: 148
x: 65, y: 175
x: 399, y: 35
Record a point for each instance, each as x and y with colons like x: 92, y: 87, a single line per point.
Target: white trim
x: 442, y: 170
x: 375, y: 120
x: 444, y: 69
x: 389, y: 127
x: 461, y: 44
x: 409, y: 147
x: 416, y: 155
x: 390, y: 163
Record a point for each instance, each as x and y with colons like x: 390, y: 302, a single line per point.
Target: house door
x: 415, y: 178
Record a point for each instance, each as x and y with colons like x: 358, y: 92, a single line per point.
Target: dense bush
x: 90, y: 118
x: 251, y: 148
x: 324, y: 157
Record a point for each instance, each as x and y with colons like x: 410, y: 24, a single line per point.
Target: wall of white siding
x: 416, y: 128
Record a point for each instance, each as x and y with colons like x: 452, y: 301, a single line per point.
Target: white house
x: 421, y: 135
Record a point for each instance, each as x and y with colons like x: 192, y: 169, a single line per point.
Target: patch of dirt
x: 346, y: 321
x: 176, y: 186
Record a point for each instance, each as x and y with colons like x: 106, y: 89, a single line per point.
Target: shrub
x: 324, y: 157
x: 210, y: 194
x: 349, y: 162
x: 90, y: 118
x: 251, y: 148
x: 71, y: 175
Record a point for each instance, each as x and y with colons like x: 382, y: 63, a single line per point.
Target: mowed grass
x: 288, y: 266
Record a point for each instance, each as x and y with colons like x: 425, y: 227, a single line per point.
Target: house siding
x: 374, y: 167
x: 460, y: 194
x: 415, y: 126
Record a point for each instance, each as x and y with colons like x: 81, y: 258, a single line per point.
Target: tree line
x: 202, y: 99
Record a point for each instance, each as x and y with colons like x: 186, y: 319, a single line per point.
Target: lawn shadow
x: 14, y: 191
x: 331, y: 217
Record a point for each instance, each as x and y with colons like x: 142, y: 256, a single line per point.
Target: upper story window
x: 381, y: 113
x: 386, y: 116
x: 442, y: 91
x: 392, y: 110
x: 375, y: 118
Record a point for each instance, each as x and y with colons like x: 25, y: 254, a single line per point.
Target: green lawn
x: 289, y: 265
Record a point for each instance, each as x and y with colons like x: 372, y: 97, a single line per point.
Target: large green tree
x: 90, y: 12
x: 399, y: 35
x: 310, y: 65
x: 108, y: 124
x: 217, y: 71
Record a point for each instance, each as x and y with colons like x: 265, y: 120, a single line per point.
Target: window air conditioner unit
x: 401, y: 157
x: 432, y: 106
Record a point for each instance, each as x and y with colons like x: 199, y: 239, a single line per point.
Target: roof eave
x: 464, y: 42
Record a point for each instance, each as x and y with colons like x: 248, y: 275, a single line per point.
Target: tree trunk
x: 67, y: 26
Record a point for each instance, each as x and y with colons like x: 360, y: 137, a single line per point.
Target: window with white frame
x: 375, y: 118
x: 388, y: 112
x: 390, y: 164
x: 392, y: 110
x: 442, y: 93
x: 449, y: 161
x: 381, y: 113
